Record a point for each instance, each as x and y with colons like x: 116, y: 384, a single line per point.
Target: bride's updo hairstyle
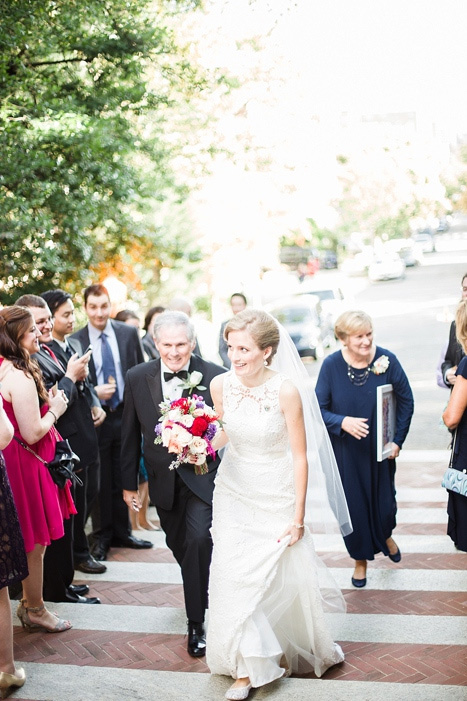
x: 260, y: 325
x: 351, y: 323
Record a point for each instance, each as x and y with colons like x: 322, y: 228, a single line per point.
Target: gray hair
x: 170, y: 318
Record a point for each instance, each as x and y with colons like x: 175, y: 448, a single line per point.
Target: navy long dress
x: 457, y: 504
x: 368, y: 484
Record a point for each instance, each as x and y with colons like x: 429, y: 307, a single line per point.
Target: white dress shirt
x: 96, y: 342
x: 171, y: 390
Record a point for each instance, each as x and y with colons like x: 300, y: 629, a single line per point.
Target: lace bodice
x: 253, y: 419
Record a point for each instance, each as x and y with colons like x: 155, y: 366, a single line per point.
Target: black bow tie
x: 182, y: 374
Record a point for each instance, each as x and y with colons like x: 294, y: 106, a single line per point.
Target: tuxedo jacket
x: 76, y: 423
x: 454, y: 353
x: 141, y: 413
x: 129, y: 347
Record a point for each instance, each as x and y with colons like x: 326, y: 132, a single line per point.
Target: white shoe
x: 238, y: 693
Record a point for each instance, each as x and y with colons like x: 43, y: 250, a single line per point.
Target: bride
x: 268, y: 589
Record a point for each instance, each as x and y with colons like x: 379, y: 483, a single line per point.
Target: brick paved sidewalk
x: 397, y: 640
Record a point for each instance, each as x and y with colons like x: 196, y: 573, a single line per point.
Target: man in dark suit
x: 183, y: 499
x: 454, y: 351
x: 82, y: 431
x: 116, y: 347
x: 238, y: 304
x: 77, y: 426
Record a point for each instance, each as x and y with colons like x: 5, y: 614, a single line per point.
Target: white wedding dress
x: 266, y: 600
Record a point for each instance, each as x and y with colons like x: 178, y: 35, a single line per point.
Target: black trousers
x: 58, y: 565
x: 187, y: 526
x: 113, y: 520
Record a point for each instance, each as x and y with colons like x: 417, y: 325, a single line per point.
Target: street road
x: 411, y: 318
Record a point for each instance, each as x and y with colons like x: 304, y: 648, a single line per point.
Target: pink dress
x: 40, y: 504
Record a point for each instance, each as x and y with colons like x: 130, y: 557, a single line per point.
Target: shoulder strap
x: 452, y: 449
x: 30, y: 450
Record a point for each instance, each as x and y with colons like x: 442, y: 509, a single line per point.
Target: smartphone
x: 89, y: 348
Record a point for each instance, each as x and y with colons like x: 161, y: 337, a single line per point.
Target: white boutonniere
x: 192, y: 381
x: 380, y: 365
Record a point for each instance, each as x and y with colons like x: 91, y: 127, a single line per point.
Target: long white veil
x: 325, y: 492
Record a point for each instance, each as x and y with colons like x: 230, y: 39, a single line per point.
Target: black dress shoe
x: 359, y: 583
x: 196, y: 645
x: 99, y: 551
x: 132, y: 542
x: 78, y: 589
x: 396, y: 557
x: 78, y: 599
x: 90, y: 566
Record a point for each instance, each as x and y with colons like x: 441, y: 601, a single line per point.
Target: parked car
x: 426, y: 238
x: 331, y: 298
x: 300, y: 316
x: 388, y: 266
x: 328, y: 260
x: 409, y: 251
x: 357, y: 264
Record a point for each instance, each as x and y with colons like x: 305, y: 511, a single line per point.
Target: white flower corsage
x: 192, y: 381
x: 380, y: 365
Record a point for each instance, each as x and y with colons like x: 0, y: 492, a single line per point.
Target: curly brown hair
x: 15, y: 321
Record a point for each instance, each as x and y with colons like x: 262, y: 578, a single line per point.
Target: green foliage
x: 87, y: 91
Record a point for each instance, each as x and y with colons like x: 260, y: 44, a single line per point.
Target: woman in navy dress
x: 455, y: 417
x: 346, y: 391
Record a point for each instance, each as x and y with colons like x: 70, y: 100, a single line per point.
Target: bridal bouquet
x: 187, y: 427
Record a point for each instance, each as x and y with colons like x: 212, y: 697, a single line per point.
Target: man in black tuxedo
x: 183, y: 499
x: 76, y: 425
x: 82, y: 432
x: 116, y: 347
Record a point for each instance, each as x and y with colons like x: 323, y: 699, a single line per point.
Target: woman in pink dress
x: 41, y: 505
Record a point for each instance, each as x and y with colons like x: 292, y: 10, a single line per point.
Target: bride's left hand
x: 294, y: 533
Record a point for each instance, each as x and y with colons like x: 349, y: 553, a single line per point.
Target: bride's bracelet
x: 297, y: 525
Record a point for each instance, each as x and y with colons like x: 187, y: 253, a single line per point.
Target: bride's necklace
x: 358, y: 377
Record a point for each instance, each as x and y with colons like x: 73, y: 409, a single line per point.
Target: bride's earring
x: 266, y: 363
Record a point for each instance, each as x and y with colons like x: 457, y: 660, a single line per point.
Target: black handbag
x: 62, y: 467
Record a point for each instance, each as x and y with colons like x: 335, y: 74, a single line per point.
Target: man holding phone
x: 61, y: 306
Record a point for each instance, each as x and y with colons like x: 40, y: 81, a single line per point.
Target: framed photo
x: 385, y: 421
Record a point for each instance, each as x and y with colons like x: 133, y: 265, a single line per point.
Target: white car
x: 386, y: 267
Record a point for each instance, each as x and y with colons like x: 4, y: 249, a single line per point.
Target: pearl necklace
x: 358, y: 377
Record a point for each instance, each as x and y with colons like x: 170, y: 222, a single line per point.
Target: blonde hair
x: 351, y: 323
x: 461, y: 323
x: 261, y: 326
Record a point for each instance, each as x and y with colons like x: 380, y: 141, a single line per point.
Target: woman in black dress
x: 346, y: 391
x: 455, y: 417
x: 13, y: 567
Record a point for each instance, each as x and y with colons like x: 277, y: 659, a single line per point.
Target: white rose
x: 187, y: 420
x: 199, y: 412
x: 181, y: 435
x: 173, y: 415
x: 195, y: 377
x: 198, y: 445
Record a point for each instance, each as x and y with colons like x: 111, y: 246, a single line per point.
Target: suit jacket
x: 141, y: 412
x: 454, y: 353
x: 223, y: 348
x: 76, y: 423
x: 129, y: 346
x: 149, y: 347
x: 86, y: 386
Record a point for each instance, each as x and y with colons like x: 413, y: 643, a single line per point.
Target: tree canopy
x: 87, y: 91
